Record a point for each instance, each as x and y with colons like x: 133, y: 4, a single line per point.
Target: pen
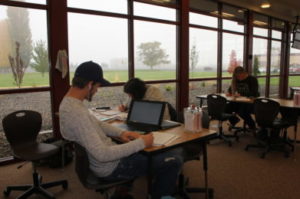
x: 103, y: 107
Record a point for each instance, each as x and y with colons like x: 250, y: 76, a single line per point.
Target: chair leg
x: 36, y: 187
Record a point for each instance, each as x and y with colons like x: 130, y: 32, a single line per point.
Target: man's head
x: 135, y: 88
x: 89, y: 76
x: 240, y: 73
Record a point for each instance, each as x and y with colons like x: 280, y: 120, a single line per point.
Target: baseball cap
x: 91, y: 71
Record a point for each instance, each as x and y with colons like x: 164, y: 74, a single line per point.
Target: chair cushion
x: 34, y: 151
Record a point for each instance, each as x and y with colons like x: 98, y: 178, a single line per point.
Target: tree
x: 18, y: 25
x: 40, y: 58
x: 17, y: 66
x: 151, y: 54
x: 256, y: 66
x: 233, y: 62
x: 194, y: 57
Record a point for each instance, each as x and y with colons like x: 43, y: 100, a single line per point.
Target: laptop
x: 146, y: 116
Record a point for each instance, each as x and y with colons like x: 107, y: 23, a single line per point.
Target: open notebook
x: 163, y: 138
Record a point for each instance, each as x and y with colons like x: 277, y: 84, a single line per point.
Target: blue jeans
x: 166, y: 167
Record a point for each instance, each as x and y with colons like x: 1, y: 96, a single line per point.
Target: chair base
x: 37, y: 188
x: 269, y: 147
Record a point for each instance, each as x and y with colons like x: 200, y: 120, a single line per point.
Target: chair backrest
x: 172, y: 112
x: 265, y: 111
x: 22, y: 127
x: 85, y: 175
x: 216, y: 105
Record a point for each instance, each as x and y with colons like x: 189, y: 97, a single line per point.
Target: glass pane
x: 294, y: 67
x: 111, y: 96
x: 201, y: 88
x: 260, y: 20
x: 203, y: 20
x: 276, y: 34
x: 226, y: 83
x: 203, y: 53
x: 23, y: 32
x: 91, y: 38
x: 259, y: 63
x: 260, y: 31
x: 233, y: 52
x: 32, y: 1
x: 207, y: 6
x: 146, y: 10
x: 39, y: 102
x: 275, y: 57
x: 233, y: 12
x: 117, y: 6
x: 278, y: 24
x: 294, y: 81
x: 262, y: 86
x: 155, y: 51
x: 274, y: 87
x: 233, y: 25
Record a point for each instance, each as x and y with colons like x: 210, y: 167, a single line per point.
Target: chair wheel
x: 246, y: 149
x: 262, y: 156
x: 286, y: 155
x: 65, y: 185
x: 229, y: 144
x: 6, y: 193
x: 210, y: 194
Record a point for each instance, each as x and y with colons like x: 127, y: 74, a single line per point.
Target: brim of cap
x: 104, y: 82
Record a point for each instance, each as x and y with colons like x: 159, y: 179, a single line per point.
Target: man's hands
x: 127, y: 136
x: 122, y: 108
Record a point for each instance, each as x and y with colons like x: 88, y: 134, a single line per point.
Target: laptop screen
x: 146, y: 112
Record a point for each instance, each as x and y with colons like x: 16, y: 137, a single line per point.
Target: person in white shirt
x: 109, y: 160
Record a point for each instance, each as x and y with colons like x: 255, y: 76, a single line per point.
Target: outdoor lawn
x: 35, y: 79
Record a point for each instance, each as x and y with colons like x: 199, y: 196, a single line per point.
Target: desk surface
x: 283, y: 102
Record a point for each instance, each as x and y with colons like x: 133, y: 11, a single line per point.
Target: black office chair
x: 88, y: 178
x: 21, y: 129
x: 266, y: 111
x: 216, y: 106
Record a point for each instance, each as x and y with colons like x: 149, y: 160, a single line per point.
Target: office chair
x: 21, y: 129
x: 266, y: 111
x: 216, y: 105
x: 88, y: 178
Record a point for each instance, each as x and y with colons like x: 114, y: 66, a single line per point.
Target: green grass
x: 37, y: 80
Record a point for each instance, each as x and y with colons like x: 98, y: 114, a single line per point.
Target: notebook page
x: 163, y: 138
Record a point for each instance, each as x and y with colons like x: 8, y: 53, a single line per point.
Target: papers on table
x: 161, y: 138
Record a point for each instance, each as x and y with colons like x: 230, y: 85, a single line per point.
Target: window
x: 146, y: 10
x: 32, y: 1
x: 117, y: 6
x: 102, y: 40
x: 233, y: 18
x: 203, y: 20
x: 203, y: 53
x: 275, y: 57
x: 23, y: 32
x: 155, y: 51
x: 201, y: 88
x: 259, y: 63
x: 233, y: 52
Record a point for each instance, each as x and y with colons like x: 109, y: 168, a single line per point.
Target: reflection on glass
x: 102, y: 40
x: 233, y: 25
x: 233, y: 51
x: 207, y: 6
x: 146, y: 10
x: 262, y: 86
x: 155, y: 51
x: 294, y: 61
x: 203, y: 53
x: 117, y: 6
x: 259, y: 63
x: 237, y: 13
x: 275, y: 57
x: 203, y: 20
x: 274, y: 87
x: 201, y: 88
x: 23, y: 32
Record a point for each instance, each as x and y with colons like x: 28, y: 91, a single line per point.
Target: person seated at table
x: 108, y: 160
x: 242, y: 84
x: 138, y: 90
